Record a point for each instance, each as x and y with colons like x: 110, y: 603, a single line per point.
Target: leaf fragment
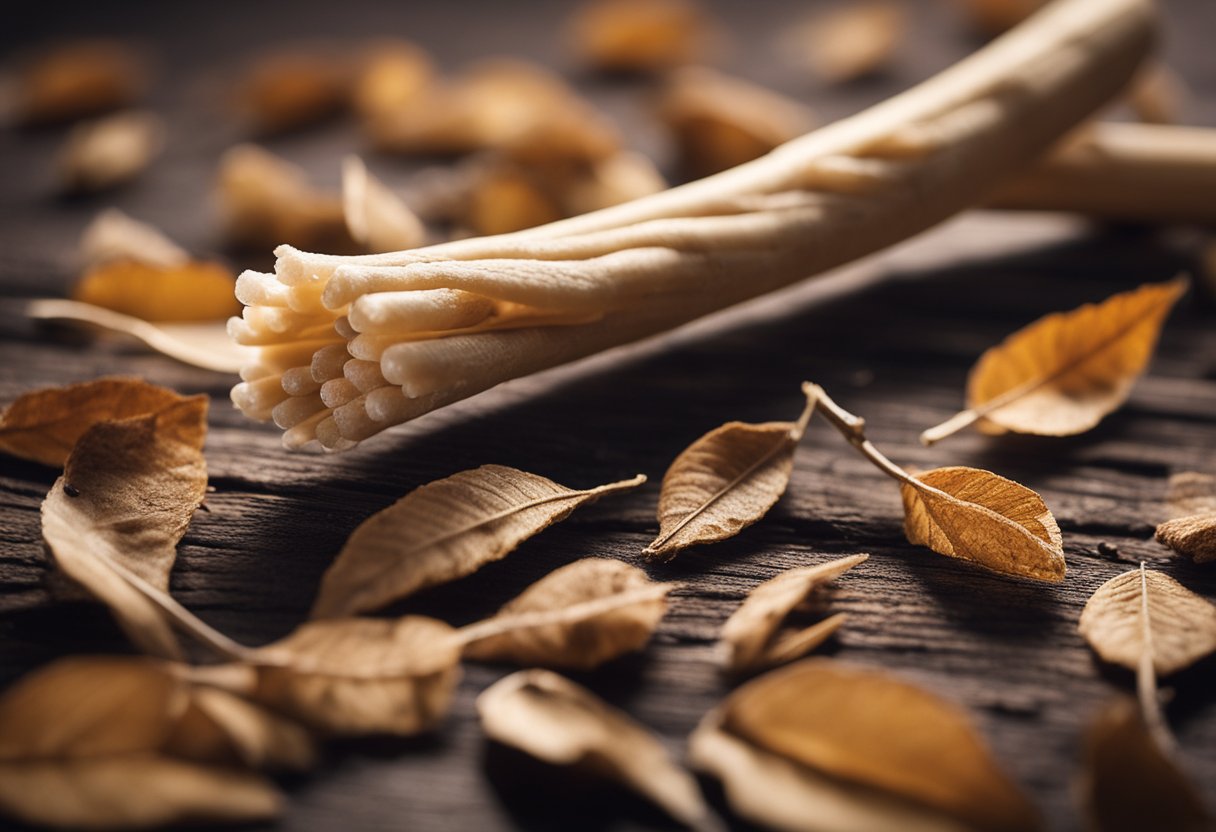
x: 1192, y: 530
x: 376, y: 217
x: 194, y: 291
x: 580, y: 616
x: 979, y: 516
x: 110, y: 151
x: 1062, y: 374
x: 79, y: 78
x: 86, y: 743
x: 443, y: 531
x: 753, y: 634
x: 561, y: 723
x: 725, y: 481
x: 1146, y: 611
x: 641, y: 36
x: 113, y: 235
x: 863, y: 728
x: 1131, y: 782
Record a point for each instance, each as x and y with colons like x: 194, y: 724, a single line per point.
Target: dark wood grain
x: 892, y: 339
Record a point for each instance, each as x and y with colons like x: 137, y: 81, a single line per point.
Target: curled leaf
x: 112, y: 235
x: 1131, y: 782
x: 561, y: 723
x: 1144, y: 612
x: 870, y: 730
x: 1192, y: 530
x: 113, y: 520
x: 443, y: 531
x: 86, y: 743
x: 753, y: 633
x: 976, y: 515
x: 193, y: 291
x: 375, y: 216
x: 725, y: 481
x: 581, y: 615
x: 1063, y: 373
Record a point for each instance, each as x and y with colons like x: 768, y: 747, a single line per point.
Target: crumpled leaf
x: 375, y: 216
x: 725, y: 481
x: 43, y: 425
x: 1192, y: 531
x: 85, y: 743
x: 199, y: 345
x: 978, y: 516
x: 113, y: 520
x: 1063, y: 373
x: 863, y: 728
x: 581, y: 615
x: 194, y: 291
x: 1144, y: 609
x: 1131, y: 783
x: 443, y: 531
x: 852, y: 41
x: 113, y: 235
x: 753, y: 634
x: 561, y: 723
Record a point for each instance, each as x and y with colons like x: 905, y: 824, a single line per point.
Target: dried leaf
x: 112, y: 235
x: 719, y: 122
x: 619, y: 178
x: 84, y: 743
x: 78, y: 78
x: 1145, y: 610
x: 1131, y: 783
x: 217, y: 726
x: 392, y: 76
x: 288, y: 90
x: 443, y: 531
x: 113, y: 520
x: 580, y: 616
x: 725, y: 481
x: 851, y: 42
x: 43, y: 425
x: 193, y: 291
x: 506, y: 199
x: 865, y: 728
x: 555, y: 720
x: 361, y: 675
x: 639, y: 35
x: 1192, y: 530
x: 1063, y: 373
x: 199, y: 345
x: 753, y: 633
x: 109, y: 152
x: 979, y: 516
x: 375, y: 216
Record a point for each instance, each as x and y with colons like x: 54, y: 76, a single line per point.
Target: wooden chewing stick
x: 575, y: 287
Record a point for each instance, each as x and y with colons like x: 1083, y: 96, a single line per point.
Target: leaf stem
x: 1146, y: 674
x: 853, y: 428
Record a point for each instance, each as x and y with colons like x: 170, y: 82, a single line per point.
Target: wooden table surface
x: 891, y: 338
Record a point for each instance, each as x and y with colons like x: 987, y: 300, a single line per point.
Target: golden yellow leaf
x: 581, y: 615
x: 375, y: 216
x: 1063, y: 373
x: 1145, y: 611
x: 725, y: 481
x: 753, y: 634
x: 981, y: 517
x: 1192, y: 530
x: 561, y: 723
x: 853, y: 41
x: 43, y: 425
x: 355, y: 676
x: 1131, y: 783
x: 865, y: 728
x: 113, y: 520
x: 194, y: 291
x: 85, y: 743
x: 443, y: 531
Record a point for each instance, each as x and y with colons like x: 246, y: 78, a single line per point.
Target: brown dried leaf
x: 443, y: 531
x: 725, y: 481
x: 288, y: 90
x: 194, y: 291
x: 355, y: 676
x: 79, y: 78
x: 113, y: 520
x: 43, y: 425
x: 376, y: 217
x: 719, y: 122
x: 580, y: 616
x: 853, y: 41
x: 1063, y: 373
x: 101, y: 154
x: 85, y: 743
x: 639, y: 35
x: 753, y: 634
x: 865, y: 728
x: 205, y: 345
x: 1131, y: 783
x: 112, y: 235
x: 561, y: 723
x: 984, y: 518
x: 1192, y: 530
x: 1145, y: 610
